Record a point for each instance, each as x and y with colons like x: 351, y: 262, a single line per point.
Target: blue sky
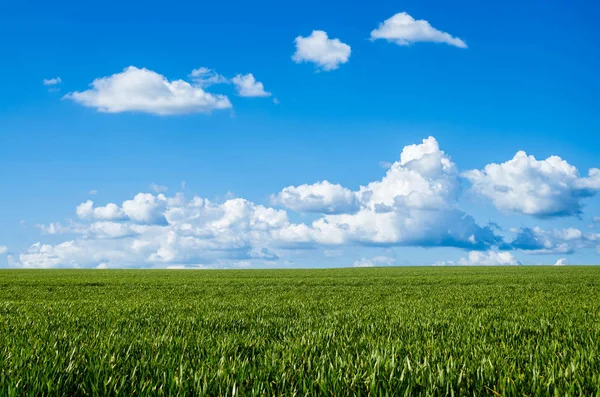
x: 339, y: 111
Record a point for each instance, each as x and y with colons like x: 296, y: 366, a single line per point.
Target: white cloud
x: 483, y: 258
x: 205, y: 77
x: 321, y: 197
x: 561, y: 262
x: 326, y: 53
x: 489, y: 258
x: 93, y: 192
x: 403, y: 29
x: 363, y: 263
x: 3, y: 249
x: 195, y: 232
x: 143, y: 208
x: 554, y: 241
x: 376, y: 261
x: 542, y: 188
x: 143, y: 90
x: 52, y: 81
x: 247, y: 86
x: 109, y: 212
x: 414, y: 204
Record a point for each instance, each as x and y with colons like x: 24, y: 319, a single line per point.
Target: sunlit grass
x: 389, y: 331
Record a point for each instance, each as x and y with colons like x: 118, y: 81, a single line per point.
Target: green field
x: 380, y: 331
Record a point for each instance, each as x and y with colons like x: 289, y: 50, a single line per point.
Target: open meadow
x: 377, y: 331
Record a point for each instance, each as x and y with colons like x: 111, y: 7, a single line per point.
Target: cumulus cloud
x: 561, y: 262
x: 195, y: 232
x: 52, y: 81
x: 319, y: 49
x: 402, y: 29
x: 3, y: 249
x: 321, y: 197
x: 376, y: 261
x: 247, y: 86
x: 541, y: 188
x: 489, y: 258
x: 553, y: 241
x: 143, y: 90
x: 143, y: 208
x: 110, y: 211
x: 414, y: 204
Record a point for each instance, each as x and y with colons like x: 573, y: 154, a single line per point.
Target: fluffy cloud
x: 489, y: 258
x: 247, y: 86
x: 195, y: 232
x: 322, y: 197
x: 3, y: 249
x: 542, y: 188
x: 403, y: 29
x: 52, y: 81
x: 143, y: 90
x: 376, y: 261
x: 414, y: 204
x: 554, y: 241
x: 561, y: 262
x: 144, y: 208
x: 318, y: 48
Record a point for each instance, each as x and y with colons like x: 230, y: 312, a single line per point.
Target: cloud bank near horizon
x: 415, y: 204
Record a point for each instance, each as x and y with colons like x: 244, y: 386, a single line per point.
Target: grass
x: 379, y: 332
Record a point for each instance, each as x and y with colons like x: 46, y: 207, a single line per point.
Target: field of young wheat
x: 379, y: 332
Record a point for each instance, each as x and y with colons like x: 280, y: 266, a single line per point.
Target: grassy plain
x: 379, y: 332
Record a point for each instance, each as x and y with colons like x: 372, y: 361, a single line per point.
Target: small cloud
x: 247, y: 86
x: 52, y: 81
x: 483, y: 258
x: 276, y: 101
x: 3, y: 249
x: 328, y: 54
x: 102, y: 266
x: 402, y: 29
x: 321, y: 197
x: 158, y: 188
x: 561, y: 262
x: 376, y: 261
x: 183, y: 183
x: 93, y: 192
x: 205, y: 77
